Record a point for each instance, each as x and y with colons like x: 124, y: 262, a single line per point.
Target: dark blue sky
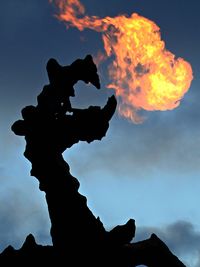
x: 149, y: 172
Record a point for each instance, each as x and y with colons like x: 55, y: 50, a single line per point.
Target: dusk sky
x: 148, y: 171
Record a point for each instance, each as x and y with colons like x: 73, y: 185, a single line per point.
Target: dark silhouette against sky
x: 49, y: 130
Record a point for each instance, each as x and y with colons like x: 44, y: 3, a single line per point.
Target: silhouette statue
x: 78, y: 237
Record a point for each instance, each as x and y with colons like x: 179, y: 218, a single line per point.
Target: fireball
x: 143, y: 73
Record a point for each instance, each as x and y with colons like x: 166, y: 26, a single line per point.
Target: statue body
x: 51, y: 127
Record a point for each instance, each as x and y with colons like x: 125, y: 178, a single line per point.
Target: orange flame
x: 144, y: 74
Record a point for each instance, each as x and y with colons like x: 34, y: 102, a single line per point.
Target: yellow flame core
x: 143, y: 73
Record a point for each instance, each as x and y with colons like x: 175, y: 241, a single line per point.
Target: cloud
x: 198, y: 261
x: 22, y: 211
x: 181, y: 237
x: 132, y: 151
